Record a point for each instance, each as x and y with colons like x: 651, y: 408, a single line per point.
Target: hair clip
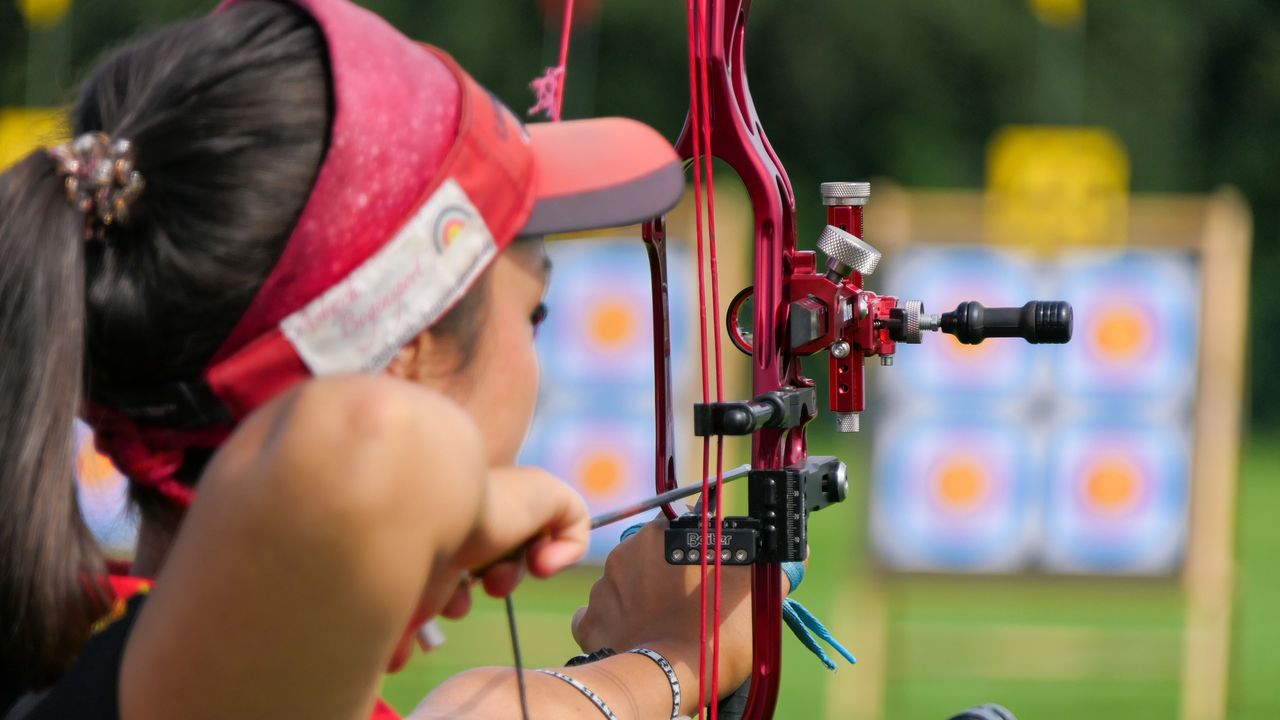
x: 99, y: 178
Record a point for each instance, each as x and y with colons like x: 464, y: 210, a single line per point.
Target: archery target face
x: 953, y: 495
x: 942, y: 278
x: 607, y: 457
x: 1135, y: 328
x: 1106, y: 414
x: 104, y: 498
x: 600, y: 325
x: 595, y: 422
x: 1117, y: 499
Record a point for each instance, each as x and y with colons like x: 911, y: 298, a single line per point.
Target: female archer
x: 287, y: 268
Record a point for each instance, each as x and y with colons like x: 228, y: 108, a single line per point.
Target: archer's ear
x: 415, y: 361
x: 401, y: 365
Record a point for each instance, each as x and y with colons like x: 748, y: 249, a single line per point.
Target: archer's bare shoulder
x: 350, y: 447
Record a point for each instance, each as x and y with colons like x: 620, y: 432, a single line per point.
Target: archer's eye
x: 538, y: 316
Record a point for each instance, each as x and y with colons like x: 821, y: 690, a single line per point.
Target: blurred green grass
x: 1047, y: 648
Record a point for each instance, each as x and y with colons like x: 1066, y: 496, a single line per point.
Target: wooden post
x: 1209, y: 573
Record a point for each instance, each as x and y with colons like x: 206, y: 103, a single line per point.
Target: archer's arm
x: 323, y: 524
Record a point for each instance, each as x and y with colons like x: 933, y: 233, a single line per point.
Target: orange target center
x: 95, y: 469
x: 613, y: 324
x: 1112, y: 485
x: 1121, y: 334
x: 961, y: 352
x: 961, y: 484
x: 601, y: 474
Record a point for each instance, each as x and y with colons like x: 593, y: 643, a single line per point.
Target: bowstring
x: 565, y: 32
x: 556, y: 75
x: 515, y: 651
x: 698, y: 22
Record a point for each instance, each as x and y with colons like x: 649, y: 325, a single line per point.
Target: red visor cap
x: 427, y: 177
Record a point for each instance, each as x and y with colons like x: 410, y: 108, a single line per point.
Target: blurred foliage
x: 911, y: 90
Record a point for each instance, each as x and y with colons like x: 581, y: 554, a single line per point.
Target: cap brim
x: 599, y: 173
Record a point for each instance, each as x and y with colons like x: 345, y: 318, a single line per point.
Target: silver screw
x: 886, y: 360
x: 840, y: 349
x: 740, y: 555
x: 724, y: 556
x: 845, y: 193
x: 847, y: 422
x: 677, y: 555
x: 694, y: 555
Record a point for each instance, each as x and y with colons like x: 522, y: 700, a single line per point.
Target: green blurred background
x: 910, y: 90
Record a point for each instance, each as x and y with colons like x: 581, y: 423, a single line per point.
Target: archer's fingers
x: 575, y: 627
x: 459, y: 604
x: 501, y: 578
x: 525, y: 503
x: 549, y: 555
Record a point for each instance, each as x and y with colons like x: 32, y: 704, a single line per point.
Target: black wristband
x: 600, y: 654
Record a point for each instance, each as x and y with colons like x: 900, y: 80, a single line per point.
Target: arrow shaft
x: 669, y: 496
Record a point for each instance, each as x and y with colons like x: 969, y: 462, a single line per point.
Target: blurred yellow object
x: 43, y: 14
x: 1058, y: 13
x: 1049, y: 187
x: 25, y: 129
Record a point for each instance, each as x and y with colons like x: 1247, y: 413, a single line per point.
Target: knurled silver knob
x: 848, y: 250
x: 845, y: 193
x: 911, y: 312
x: 847, y: 422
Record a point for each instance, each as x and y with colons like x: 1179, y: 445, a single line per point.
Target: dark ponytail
x: 48, y: 560
x: 229, y: 118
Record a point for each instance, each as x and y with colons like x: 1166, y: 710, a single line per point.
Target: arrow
x: 614, y: 516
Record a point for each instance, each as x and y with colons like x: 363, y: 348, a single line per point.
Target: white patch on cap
x: 363, y: 321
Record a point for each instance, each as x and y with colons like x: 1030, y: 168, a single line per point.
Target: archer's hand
x: 641, y: 601
x: 530, y: 519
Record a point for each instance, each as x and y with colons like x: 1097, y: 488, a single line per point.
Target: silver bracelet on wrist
x: 586, y: 692
x: 671, y: 677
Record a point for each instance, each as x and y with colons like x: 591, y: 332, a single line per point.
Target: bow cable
x: 709, y: 159
x: 699, y: 23
x: 692, y: 19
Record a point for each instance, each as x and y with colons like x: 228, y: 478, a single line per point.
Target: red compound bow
x: 799, y: 309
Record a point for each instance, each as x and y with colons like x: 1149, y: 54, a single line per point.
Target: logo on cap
x: 450, y: 225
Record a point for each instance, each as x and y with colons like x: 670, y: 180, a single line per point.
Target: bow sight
x: 829, y: 309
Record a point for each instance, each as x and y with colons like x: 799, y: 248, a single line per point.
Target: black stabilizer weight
x: 1038, y: 322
